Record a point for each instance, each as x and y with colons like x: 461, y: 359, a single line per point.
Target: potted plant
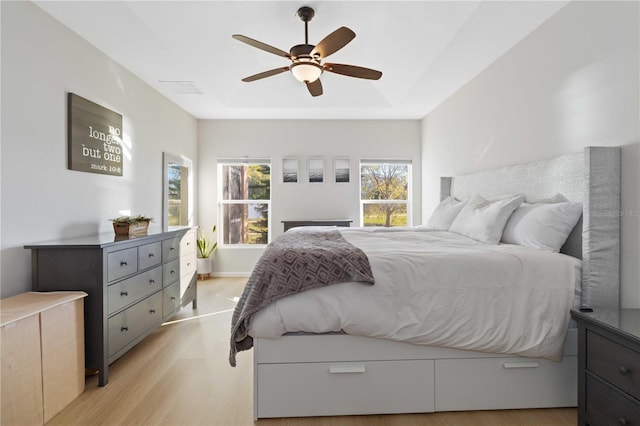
x: 206, y: 247
x: 131, y: 225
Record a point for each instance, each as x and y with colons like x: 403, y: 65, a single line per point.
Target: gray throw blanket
x: 293, y: 263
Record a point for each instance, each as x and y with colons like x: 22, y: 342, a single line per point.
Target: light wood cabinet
x: 133, y: 285
x: 42, y: 339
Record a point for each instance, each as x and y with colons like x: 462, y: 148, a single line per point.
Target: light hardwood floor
x: 180, y: 375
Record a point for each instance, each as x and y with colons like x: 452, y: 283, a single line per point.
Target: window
x: 245, y: 201
x: 385, y: 188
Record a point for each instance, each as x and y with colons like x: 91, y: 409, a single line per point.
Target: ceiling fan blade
x: 265, y: 74
x: 315, y: 88
x: 333, y: 42
x: 261, y: 45
x: 353, y: 71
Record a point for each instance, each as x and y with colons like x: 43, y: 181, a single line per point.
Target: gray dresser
x: 133, y: 285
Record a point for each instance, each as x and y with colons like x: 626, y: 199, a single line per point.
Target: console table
x: 288, y: 224
x: 608, y: 366
x: 133, y: 283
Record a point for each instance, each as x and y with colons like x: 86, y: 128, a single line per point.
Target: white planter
x: 204, y: 265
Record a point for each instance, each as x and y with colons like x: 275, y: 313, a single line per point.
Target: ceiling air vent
x: 181, y: 87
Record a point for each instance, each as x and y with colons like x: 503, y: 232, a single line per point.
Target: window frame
x: 382, y: 161
x: 221, y: 162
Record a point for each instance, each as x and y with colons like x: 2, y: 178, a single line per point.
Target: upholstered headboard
x: 592, y: 177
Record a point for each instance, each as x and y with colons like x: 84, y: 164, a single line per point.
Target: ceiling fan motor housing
x: 301, y: 51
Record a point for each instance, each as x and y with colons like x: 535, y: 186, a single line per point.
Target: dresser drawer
x: 615, y: 363
x: 462, y: 383
x: 149, y: 255
x: 188, y: 243
x: 344, y: 388
x: 170, y: 299
x: 132, y: 322
x: 608, y: 406
x: 122, y: 263
x: 171, y: 272
x: 188, y: 289
x: 170, y: 249
x: 187, y: 264
x: 132, y: 289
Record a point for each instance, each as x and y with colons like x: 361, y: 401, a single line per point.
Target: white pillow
x: 484, y: 220
x: 443, y: 215
x: 542, y: 226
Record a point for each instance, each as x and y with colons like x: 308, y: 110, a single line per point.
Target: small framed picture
x: 316, y: 170
x: 342, y: 170
x: 290, y: 170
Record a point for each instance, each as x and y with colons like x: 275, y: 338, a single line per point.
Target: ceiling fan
x: 306, y: 59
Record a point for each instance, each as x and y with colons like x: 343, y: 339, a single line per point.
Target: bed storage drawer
x: 367, y: 387
x: 462, y: 383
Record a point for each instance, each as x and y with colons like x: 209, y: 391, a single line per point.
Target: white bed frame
x: 337, y: 374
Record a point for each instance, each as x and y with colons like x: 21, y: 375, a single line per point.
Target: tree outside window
x: 385, y: 193
x: 246, y: 198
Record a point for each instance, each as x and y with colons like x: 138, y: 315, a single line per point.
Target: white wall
x: 42, y: 200
x: 276, y: 139
x: 571, y: 83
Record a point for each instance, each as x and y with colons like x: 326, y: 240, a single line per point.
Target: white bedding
x: 442, y: 289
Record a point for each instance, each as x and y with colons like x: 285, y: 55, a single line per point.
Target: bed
x: 338, y: 373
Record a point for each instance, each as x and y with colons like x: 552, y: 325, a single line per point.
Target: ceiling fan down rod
x: 306, y: 14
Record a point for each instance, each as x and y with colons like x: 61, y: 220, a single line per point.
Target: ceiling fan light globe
x: 306, y: 71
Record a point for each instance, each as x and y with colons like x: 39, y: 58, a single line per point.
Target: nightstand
x: 608, y: 367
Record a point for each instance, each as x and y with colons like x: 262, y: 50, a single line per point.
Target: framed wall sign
x: 94, y: 137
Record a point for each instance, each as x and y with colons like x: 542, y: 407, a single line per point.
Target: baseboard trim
x: 231, y: 274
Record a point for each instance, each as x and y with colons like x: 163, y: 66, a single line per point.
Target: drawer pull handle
x: 152, y: 311
x: 123, y: 263
x: 124, y: 293
x: 173, y: 272
x: 521, y: 365
x: 152, y: 255
x: 346, y: 369
x: 624, y: 370
x: 188, y: 264
x: 173, y: 298
x: 624, y: 421
x: 124, y: 328
x: 152, y: 281
x: 172, y: 249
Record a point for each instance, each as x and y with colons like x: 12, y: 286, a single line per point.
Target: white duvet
x: 442, y: 289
